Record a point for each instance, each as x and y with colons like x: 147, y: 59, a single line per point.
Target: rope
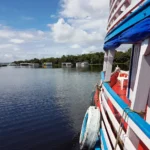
x: 121, y: 125
x: 120, y: 128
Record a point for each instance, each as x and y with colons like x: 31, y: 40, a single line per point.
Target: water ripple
x: 43, y: 109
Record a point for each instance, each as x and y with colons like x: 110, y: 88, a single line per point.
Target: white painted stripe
x: 127, y: 143
x: 128, y: 10
x: 135, y: 128
x: 106, y: 137
x: 116, y: 105
x: 148, y: 114
x: 113, y: 6
x: 139, y: 133
x: 111, y: 135
x: 117, y: 9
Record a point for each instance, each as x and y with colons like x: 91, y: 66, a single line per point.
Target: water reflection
x: 43, y: 108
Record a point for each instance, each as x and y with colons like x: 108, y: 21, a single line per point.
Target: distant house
x: 30, y: 65
x: 66, y: 64
x: 24, y: 64
x: 12, y: 64
x: 3, y: 64
x: 34, y: 65
x: 47, y: 65
x: 84, y: 64
x: 78, y: 64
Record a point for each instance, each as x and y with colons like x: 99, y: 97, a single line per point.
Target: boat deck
x: 122, y: 92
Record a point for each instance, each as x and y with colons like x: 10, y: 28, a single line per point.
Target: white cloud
x: 84, y: 8
x: 6, y: 33
x: 75, y: 46
x: 81, y: 22
x: 52, y: 16
x: 40, y: 32
x: 26, y: 35
x: 90, y: 49
x: 4, y: 46
x: 17, y: 41
x: 65, y: 33
x: 80, y: 28
x: 49, y: 25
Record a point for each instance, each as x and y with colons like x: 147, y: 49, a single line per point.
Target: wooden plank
x: 111, y: 135
x: 117, y: 9
x: 103, y: 140
x: 132, y: 125
x: 135, y: 17
x: 106, y: 137
x: 127, y: 143
x: 113, y: 6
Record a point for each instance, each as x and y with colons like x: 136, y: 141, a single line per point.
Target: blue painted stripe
x: 140, y: 122
x: 141, y: 13
x: 102, y: 76
x: 84, y: 126
x: 136, y: 33
x: 103, y: 140
x: 97, y: 148
x: 97, y: 145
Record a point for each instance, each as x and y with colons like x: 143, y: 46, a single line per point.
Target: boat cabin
x: 30, y: 65
x: 84, y: 64
x: 66, y: 64
x: 47, y: 65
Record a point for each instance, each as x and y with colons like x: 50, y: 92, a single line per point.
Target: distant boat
x: 30, y: 65
x: 66, y: 64
x: 12, y: 64
x: 47, y: 65
x: 78, y: 64
x: 82, y: 64
x: 3, y: 64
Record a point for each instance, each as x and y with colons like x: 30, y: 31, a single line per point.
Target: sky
x: 51, y: 28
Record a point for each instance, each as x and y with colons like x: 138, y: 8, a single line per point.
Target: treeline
x: 92, y: 58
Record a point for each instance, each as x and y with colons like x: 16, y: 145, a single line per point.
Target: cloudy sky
x: 51, y: 28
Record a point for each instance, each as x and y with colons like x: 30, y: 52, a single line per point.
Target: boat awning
x: 135, y: 28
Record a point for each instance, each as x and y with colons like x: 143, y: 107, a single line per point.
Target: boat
x: 120, y: 116
x: 47, y: 65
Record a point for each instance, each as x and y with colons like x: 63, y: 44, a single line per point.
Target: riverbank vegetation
x: 93, y: 58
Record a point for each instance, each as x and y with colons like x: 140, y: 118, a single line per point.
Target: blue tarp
x: 135, y: 34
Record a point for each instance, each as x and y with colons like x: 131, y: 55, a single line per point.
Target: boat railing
x: 120, y: 9
x: 139, y: 126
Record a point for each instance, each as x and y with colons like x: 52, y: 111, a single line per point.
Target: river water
x: 43, y: 109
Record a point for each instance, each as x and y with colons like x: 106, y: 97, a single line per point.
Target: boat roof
x: 133, y: 29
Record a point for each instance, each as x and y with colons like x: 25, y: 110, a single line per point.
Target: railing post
x: 105, y: 61
x: 140, y: 93
x: 110, y: 59
x: 142, y: 82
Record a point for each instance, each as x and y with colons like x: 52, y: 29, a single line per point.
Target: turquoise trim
x: 84, y: 127
x: 103, y: 140
x: 102, y: 76
x: 97, y: 148
x: 141, y: 13
x: 140, y: 122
